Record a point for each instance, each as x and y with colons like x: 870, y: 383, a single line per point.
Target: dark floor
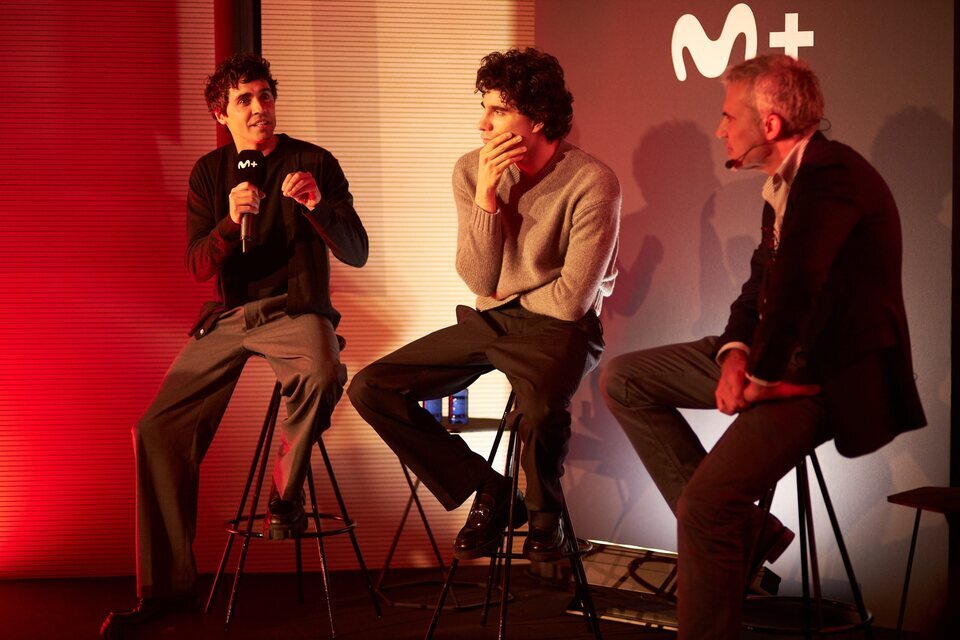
x: 267, y: 608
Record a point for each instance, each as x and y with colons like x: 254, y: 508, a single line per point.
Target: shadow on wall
x: 674, y: 168
x: 913, y: 152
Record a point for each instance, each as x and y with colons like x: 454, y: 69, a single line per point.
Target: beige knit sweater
x: 553, y: 241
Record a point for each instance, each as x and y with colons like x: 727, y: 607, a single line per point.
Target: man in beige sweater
x: 537, y: 243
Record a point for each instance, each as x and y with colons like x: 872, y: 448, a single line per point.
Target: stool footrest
x: 457, y: 605
x: 794, y: 615
x: 233, y: 526
x: 583, y: 548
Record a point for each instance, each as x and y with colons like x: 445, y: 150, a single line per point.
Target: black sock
x: 494, y: 484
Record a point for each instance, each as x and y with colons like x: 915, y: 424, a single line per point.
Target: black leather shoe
x: 118, y: 623
x: 486, y: 522
x: 544, y: 544
x: 285, y: 519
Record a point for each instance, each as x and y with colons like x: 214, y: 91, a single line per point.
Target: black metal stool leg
x: 396, y: 536
x: 808, y: 551
x: 415, y: 499
x: 906, y: 579
x: 580, y: 585
x: 443, y: 597
x: 412, y: 500
x: 865, y: 617
x: 271, y: 417
x: 496, y: 559
x: 493, y: 573
x: 263, y: 455
x: 353, y: 536
x: 324, y: 569
x: 298, y: 556
x: 513, y: 462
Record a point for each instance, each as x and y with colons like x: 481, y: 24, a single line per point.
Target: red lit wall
x: 105, y: 109
x: 102, y: 126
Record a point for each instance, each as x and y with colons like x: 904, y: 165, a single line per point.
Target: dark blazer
x: 827, y: 306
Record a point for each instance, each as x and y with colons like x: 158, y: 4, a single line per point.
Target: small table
x: 945, y: 500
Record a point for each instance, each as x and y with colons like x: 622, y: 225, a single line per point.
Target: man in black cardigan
x: 271, y: 299
x: 816, y: 346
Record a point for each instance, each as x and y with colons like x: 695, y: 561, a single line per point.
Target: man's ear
x: 221, y: 118
x: 537, y: 127
x: 772, y: 127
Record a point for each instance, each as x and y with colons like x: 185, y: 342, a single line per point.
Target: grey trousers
x: 173, y: 435
x: 712, y: 494
x: 543, y: 358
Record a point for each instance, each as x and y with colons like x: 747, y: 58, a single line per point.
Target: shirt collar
x: 787, y: 171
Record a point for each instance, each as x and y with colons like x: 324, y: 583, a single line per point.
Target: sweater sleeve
x: 479, y: 235
x: 334, y: 218
x: 209, y: 242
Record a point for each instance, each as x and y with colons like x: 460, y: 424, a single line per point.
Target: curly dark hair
x: 531, y: 81
x: 242, y: 67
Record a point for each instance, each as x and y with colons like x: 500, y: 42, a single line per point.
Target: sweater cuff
x: 229, y: 229
x: 483, y: 220
x: 320, y: 216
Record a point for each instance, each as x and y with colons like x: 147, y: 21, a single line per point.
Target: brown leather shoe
x: 118, y: 623
x: 486, y: 522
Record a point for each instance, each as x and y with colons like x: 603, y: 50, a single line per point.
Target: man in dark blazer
x: 816, y: 346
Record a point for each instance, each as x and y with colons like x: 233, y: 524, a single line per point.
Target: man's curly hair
x: 532, y: 82
x: 242, y: 67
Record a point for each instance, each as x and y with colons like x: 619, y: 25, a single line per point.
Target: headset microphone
x: 251, y: 167
x: 737, y: 163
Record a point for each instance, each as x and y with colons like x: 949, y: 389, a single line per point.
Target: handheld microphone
x: 251, y: 167
x: 737, y: 163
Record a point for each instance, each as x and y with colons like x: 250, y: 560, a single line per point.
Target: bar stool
x: 242, y: 526
x: 476, y: 425
x: 500, y: 560
x: 816, y: 616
